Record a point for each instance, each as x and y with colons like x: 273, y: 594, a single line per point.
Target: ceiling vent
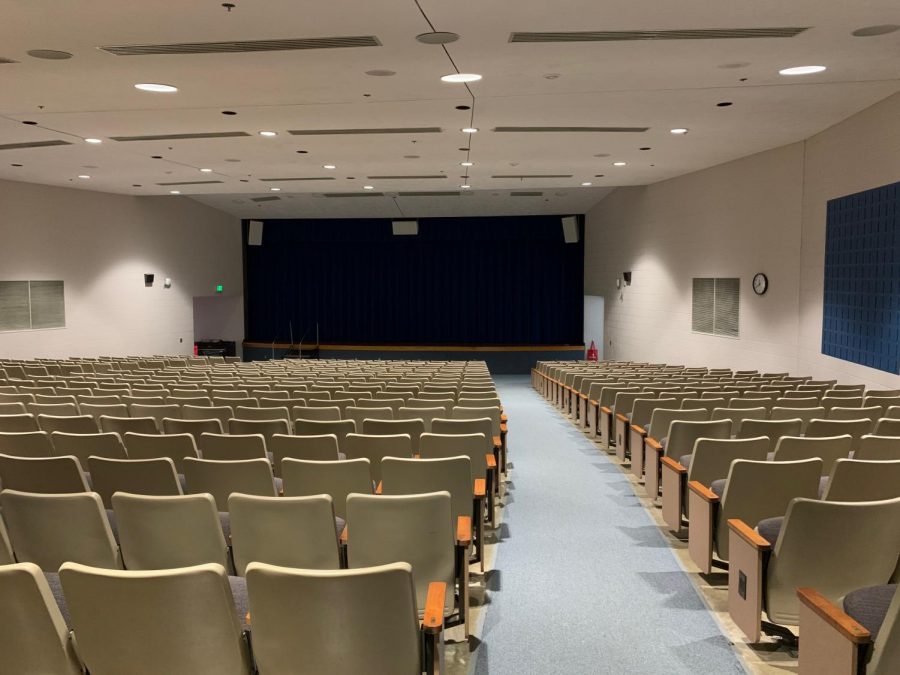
x: 339, y: 132
x: 533, y: 175
x: 432, y: 177
x: 353, y: 194
x: 573, y: 130
x: 264, y: 199
x: 246, y: 46
x: 637, y: 35
x: 284, y: 180
x: 526, y: 194
x: 33, y: 144
x: 182, y: 137
x: 428, y: 194
x: 193, y: 182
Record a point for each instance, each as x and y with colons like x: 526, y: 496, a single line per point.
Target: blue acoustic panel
x: 861, y: 321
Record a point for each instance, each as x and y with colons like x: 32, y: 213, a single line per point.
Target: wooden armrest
x: 491, y: 461
x: 622, y: 418
x: 653, y: 443
x: 378, y: 488
x: 606, y: 410
x: 702, y: 491
x: 497, y: 442
x: 480, y: 490
x: 672, y: 464
x: 748, y: 534
x: 464, y: 531
x: 827, y: 611
x: 344, y: 535
x: 247, y: 619
x: 638, y: 429
x: 433, y: 621
x: 593, y: 402
x: 580, y: 395
x: 503, y: 427
x: 504, y: 418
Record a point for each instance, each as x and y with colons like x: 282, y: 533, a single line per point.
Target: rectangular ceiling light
x: 232, y: 47
x: 284, y: 180
x: 352, y: 194
x: 678, y: 34
x: 428, y: 194
x: 193, y: 182
x: 534, y: 175
x: 182, y: 137
x: 33, y: 144
x: 431, y: 177
x: 574, y: 130
x: 357, y: 132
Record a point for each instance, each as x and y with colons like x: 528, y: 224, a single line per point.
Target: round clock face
x: 760, y: 283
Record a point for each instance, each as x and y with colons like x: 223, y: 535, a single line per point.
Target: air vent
x: 526, y: 194
x: 432, y: 177
x: 428, y: 194
x: 284, y: 180
x: 5, y: 60
x: 264, y: 199
x: 575, y: 130
x: 681, y: 34
x: 341, y: 132
x: 247, y: 46
x: 353, y: 194
x: 182, y: 137
x: 534, y: 175
x: 34, y: 144
x: 193, y: 182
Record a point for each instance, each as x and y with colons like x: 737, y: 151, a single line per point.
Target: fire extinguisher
x: 197, y: 350
x: 592, y: 354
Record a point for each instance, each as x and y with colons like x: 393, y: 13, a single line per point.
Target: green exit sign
x: 219, y: 288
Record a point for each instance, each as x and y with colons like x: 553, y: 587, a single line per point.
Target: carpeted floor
x: 584, y: 581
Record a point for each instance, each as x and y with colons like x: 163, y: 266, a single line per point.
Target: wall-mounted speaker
x: 148, y: 279
x: 570, y: 229
x: 254, y: 235
x: 627, y: 277
x: 405, y: 227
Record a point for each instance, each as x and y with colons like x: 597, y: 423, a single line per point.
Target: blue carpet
x: 584, y: 580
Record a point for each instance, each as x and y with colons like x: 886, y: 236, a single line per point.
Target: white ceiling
x: 655, y: 84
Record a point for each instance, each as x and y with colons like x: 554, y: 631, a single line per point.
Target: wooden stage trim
x: 423, y: 348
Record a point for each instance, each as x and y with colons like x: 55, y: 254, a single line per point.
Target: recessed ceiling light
x: 619, y: 163
x: 174, y: 192
x: 872, y: 31
x: 551, y: 76
x: 206, y: 170
x: 329, y: 166
x: 801, y: 70
x: 469, y: 130
x: 84, y: 176
x: 437, y: 38
x: 724, y: 104
x: 268, y: 133
x: 463, y: 107
x: 303, y: 152
x: 465, y: 187
x: 274, y: 189
x: 229, y: 112
x: 381, y: 73
x: 598, y: 175
x: 368, y: 187
x: 15, y: 165
x: 157, y: 88
x: 586, y: 184
x: 461, y: 78
x: 92, y: 140
x: 467, y: 163
x: 678, y: 131
x: 29, y: 122
x: 645, y: 148
x: 155, y: 156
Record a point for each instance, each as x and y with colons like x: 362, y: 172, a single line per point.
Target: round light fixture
x: 95, y: 141
x: 467, y: 163
x: 437, y: 38
x: 872, y: 31
x: 678, y: 131
x: 84, y: 176
x: 619, y: 163
x: 206, y: 170
x: 174, y: 192
x: 464, y: 187
x: 368, y: 187
x: 461, y: 78
x: 156, y: 88
x: 586, y: 184
x: 274, y: 189
x: 329, y: 166
x: 380, y: 72
x: 469, y: 130
x: 801, y: 70
x: 724, y: 104
x: 49, y: 54
x: 268, y: 133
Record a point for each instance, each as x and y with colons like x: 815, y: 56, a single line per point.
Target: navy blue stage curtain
x: 460, y: 281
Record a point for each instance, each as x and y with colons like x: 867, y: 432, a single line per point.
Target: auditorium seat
x: 772, y: 429
x: 26, y: 444
x: 323, y: 447
x: 123, y: 425
x: 317, y: 413
x: 176, y: 447
x: 83, y: 446
x: 358, y: 415
x: 12, y: 409
x: 856, y: 429
x: 54, y: 409
x: 679, y: 442
x: 221, y: 479
x: 100, y: 409
x: 340, y: 428
x: 265, y: 428
x: 136, y: 476
x: 887, y: 427
x: 18, y: 423
x: 225, y: 447
x: 738, y: 415
x: 413, y: 428
x: 340, y: 478
x: 83, y: 424
x: 49, y: 475
x: 633, y: 430
x: 375, y: 447
x: 251, y: 413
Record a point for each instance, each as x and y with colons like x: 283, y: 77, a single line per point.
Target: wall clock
x: 760, y: 283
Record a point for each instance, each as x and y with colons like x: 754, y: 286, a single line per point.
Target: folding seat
x: 135, y: 476
x: 323, y: 447
x: 18, y: 423
x: 144, y: 399
x: 17, y: 398
x: 150, y: 446
x: 341, y: 403
x: 375, y: 448
x: 195, y: 428
x: 829, y: 402
x: 818, y: 546
x: 413, y: 428
x: 108, y: 409
x: 855, y: 480
x: 285, y: 402
x: 317, y: 413
x: 679, y: 441
x: 222, y: 478
x: 177, y: 621
x: 383, y: 400
x: 157, y: 412
x: 265, y: 428
x: 124, y: 425
x: 379, y: 619
x: 294, y: 532
x: 805, y: 415
x: 738, y: 415
x: 232, y: 447
x: 872, y: 413
x: 358, y: 414
x: 34, y: 639
x: 709, y: 461
x: 855, y: 428
x: 54, y: 409
x: 232, y: 401
x: 827, y: 448
x: 165, y: 532
x: 753, y: 400
x: 773, y: 429
x: 883, y: 448
x: 452, y: 438
x: 48, y: 475
x: 251, y: 413
x: 222, y: 413
x: 427, y: 415
x: 752, y: 492
x: 83, y: 424
x: 417, y: 529
x: 631, y: 430
x: 189, y: 400
x: 12, y: 409
x: 339, y: 428
x: 338, y: 479
x: 50, y: 529
x: 83, y: 446
x: 26, y: 444
x: 887, y: 427
x: 885, y: 401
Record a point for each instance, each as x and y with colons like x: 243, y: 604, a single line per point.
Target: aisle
x: 585, y: 580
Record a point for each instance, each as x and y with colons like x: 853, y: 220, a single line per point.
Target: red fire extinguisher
x: 592, y: 354
x: 197, y: 350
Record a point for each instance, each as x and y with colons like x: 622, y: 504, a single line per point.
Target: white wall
x: 101, y: 245
x: 762, y: 213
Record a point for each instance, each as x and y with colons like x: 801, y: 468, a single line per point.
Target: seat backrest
x: 758, y: 490
x: 195, y: 428
x: 871, y: 413
x: 712, y: 458
x: 707, y: 404
x: 18, y: 423
x: 83, y: 424
x: 774, y: 429
x: 887, y: 427
x: 295, y: 619
x: 26, y: 444
x: 252, y: 413
x: 339, y: 428
x: 157, y: 412
x: 443, y: 446
x: 338, y: 479
x: 50, y: 529
x: 323, y: 448
x: 164, y: 621
x: 682, y: 435
x: 34, y: 639
x: 136, y: 476
x: 12, y: 408
x: 47, y: 475
x: 226, y: 447
x: 738, y: 415
x: 661, y: 419
x: 829, y: 449
x: 805, y: 415
x: 642, y: 409
x: 317, y: 413
x: 148, y: 446
x: 856, y: 480
x: 413, y: 428
x: 752, y: 401
x: 165, y: 532
x: 854, y: 428
x: 221, y: 479
x: 445, y: 404
x: 416, y: 476
x: 805, y: 402
x: 458, y: 427
x: 267, y: 428
x: 53, y: 409
x: 376, y: 447
x: 100, y: 409
x: 358, y: 415
x: 417, y: 529
x: 124, y: 425
x: 223, y: 413
x: 288, y: 531
x: 427, y: 415
x: 878, y: 448
x: 83, y: 446
x: 819, y: 547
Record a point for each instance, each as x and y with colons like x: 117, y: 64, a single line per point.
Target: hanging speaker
x: 254, y: 236
x: 570, y: 229
x: 405, y: 227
